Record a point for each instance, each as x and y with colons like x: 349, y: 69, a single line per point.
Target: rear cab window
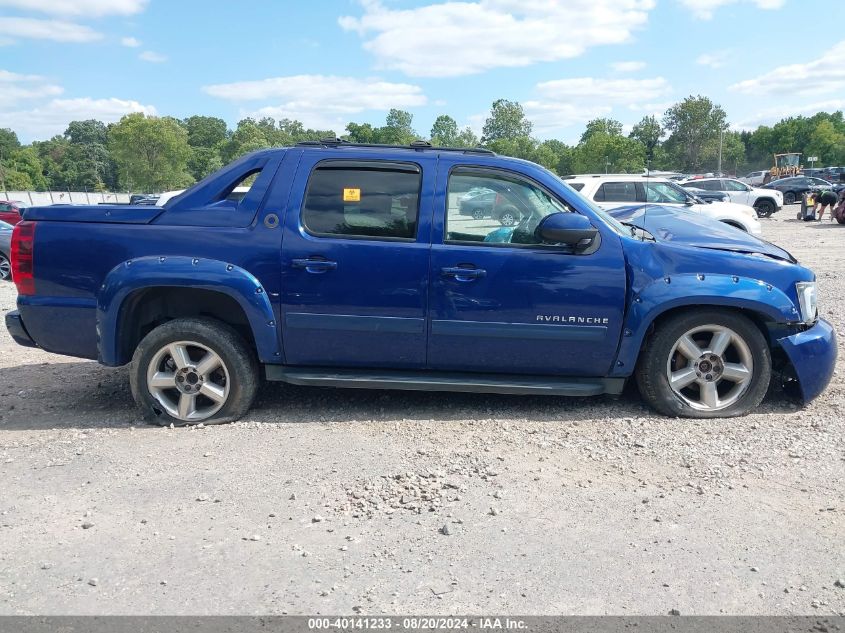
x: 363, y: 200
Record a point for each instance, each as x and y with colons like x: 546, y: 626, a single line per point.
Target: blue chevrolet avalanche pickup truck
x: 352, y: 266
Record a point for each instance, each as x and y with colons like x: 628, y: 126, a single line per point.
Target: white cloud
x: 549, y: 117
x: 768, y: 116
x: 458, y: 38
x: 52, y: 118
x: 88, y: 8
x: 130, y: 42
x: 567, y: 102
x: 704, y: 9
x: 153, y: 57
x: 56, y: 30
x: 15, y: 88
x: 627, y: 67
x: 823, y: 75
x: 320, y: 101
x: 592, y: 90
x: 716, y: 59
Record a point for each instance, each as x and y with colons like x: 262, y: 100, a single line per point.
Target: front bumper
x: 813, y: 356
x: 14, y: 324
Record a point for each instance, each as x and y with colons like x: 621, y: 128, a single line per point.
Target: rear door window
x: 617, y: 192
x: 363, y: 199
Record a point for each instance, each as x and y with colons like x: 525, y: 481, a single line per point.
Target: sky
x: 327, y: 62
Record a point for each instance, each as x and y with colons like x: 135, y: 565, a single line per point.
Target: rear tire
x: 193, y: 370
x: 508, y: 216
x: 478, y: 214
x: 705, y: 364
x: 789, y: 198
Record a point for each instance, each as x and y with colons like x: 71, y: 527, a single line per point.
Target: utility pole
x: 719, y: 166
x: 607, y: 164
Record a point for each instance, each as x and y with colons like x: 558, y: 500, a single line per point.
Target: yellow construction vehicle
x: 785, y: 165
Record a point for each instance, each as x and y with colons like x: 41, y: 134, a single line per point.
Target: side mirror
x: 570, y: 229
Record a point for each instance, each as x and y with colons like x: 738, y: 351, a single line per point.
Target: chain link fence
x: 41, y: 198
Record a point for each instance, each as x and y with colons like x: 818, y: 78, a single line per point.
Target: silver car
x: 5, y: 251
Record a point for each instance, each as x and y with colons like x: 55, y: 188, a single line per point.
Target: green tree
x: 87, y: 132
x: 506, y: 121
x: 205, y: 131
x: 398, y: 128
x: 444, y: 132
x: 611, y: 127
x: 204, y: 161
x: 692, y: 124
x: 22, y: 170
x: 827, y: 143
x: 604, y: 152
x: 648, y: 132
x: 151, y: 152
x: 523, y: 147
x: 247, y: 137
x: 360, y: 133
x: 467, y: 138
x: 8, y: 142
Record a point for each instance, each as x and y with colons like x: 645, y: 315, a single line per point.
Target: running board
x: 443, y: 381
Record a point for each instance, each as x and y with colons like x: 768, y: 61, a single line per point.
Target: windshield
x: 665, y: 192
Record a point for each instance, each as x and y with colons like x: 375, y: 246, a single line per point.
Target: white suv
x: 617, y: 190
x: 764, y: 201
x: 755, y: 178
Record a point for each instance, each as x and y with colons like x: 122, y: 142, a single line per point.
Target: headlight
x: 807, y: 300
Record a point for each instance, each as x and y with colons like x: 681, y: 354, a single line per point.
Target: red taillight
x: 498, y: 199
x: 23, y: 239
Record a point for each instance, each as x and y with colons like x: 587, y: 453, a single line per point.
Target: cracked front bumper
x: 813, y: 356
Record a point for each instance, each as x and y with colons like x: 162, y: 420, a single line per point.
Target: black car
x: 478, y: 205
x: 143, y: 199
x: 490, y: 204
x: 833, y: 174
x: 708, y: 196
x: 794, y: 187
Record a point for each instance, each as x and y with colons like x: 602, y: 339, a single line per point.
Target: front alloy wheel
x: 705, y: 364
x: 710, y: 367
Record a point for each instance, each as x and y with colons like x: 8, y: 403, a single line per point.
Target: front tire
x: 193, y: 370
x: 789, y: 198
x: 708, y: 364
x: 478, y: 214
x: 5, y: 268
x: 764, y: 209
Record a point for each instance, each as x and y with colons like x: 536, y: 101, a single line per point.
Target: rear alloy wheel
x: 5, y: 268
x: 789, y: 198
x: 189, y: 371
x: 764, y: 208
x: 478, y: 214
x: 705, y: 365
x: 508, y: 216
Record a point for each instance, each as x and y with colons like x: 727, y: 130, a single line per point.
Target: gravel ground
x: 331, y: 501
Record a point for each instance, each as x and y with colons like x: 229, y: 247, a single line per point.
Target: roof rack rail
x: 417, y: 145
